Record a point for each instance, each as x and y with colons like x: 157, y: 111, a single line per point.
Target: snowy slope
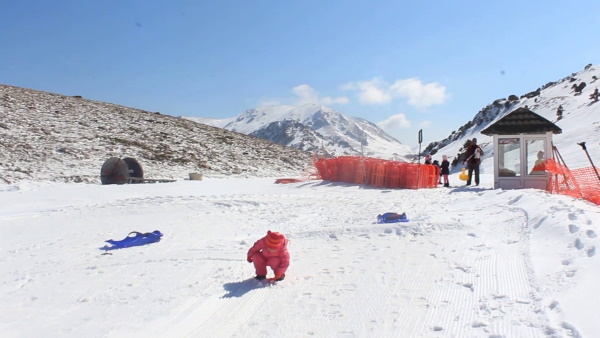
x: 472, y: 262
x: 580, y: 122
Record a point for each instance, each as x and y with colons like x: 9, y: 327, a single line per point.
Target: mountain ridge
x: 330, y: 131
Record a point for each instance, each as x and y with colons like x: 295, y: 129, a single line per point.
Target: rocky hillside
x: 52, y: 137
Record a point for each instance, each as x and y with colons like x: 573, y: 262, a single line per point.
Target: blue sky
x: 428, y: 65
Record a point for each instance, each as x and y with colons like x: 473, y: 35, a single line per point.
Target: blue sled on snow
x: 392, y: 217
x: 137, y: 239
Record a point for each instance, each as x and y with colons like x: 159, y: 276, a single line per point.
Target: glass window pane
x: 535, y: 156
x: 509, y: 157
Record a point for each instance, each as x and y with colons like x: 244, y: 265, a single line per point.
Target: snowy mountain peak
x: 311, y: 127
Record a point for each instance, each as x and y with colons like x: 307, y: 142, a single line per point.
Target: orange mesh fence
x: 580, y: 183
x: 377, y: 172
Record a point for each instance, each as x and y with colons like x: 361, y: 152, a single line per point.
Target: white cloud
x: 425, y: 123
x: 370, y: 92
x: 419, y: 94
x: 303, y: 94
x: 349, y: 86
x: 395, y: 122
x: 307, y: 94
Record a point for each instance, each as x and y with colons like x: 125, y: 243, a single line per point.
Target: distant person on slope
x: 473, y: 160
x: 270, y: 251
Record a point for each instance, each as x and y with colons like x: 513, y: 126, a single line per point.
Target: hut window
x: 509, y: 157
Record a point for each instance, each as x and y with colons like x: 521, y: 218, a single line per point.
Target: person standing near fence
x: 473, y: 160
x: 437, y: 164
x: 445, y: 170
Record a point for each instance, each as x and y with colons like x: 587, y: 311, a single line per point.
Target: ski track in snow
x: 489, y: 290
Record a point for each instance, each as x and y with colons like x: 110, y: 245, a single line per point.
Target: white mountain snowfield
x: 339, y: 135
x: 472, y: 261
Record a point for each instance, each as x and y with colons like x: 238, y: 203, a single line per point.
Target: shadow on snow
x: 238, y: 289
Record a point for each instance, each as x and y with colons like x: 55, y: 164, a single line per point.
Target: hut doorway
x: 518, y: 161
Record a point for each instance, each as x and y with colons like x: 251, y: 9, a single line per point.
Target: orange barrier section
x: 580, y: 183
x: 287, y: 180
x: 377, y: 172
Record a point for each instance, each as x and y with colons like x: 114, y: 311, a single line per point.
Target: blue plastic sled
x: 137, y: 239
x: 392, y: 217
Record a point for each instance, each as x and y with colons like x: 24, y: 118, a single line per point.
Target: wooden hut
x: 522, y: 142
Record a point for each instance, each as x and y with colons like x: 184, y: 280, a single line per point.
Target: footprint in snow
x: 591, y: 251
x: 538, y: 223
x: 515, y: 200
x: 573, y: 228
x: 469, y: 286
x: 478, y: 324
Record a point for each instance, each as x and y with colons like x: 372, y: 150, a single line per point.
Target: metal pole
x: 567, y: 179
x: 419, y: 160
x: 582, y: 144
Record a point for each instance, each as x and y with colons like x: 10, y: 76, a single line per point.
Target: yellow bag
x: 463, y: 176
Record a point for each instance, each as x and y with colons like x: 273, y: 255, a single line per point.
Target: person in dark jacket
x: 473, y: 160
x: 445, y: 170
x: 437, y: 164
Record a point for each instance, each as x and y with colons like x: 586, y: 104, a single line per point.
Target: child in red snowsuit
x: 270, y: 251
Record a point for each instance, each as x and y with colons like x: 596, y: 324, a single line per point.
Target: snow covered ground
x: 472, y: 262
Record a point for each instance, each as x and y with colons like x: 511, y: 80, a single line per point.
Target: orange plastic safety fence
x: 377, y: 172
x: 580, y: 183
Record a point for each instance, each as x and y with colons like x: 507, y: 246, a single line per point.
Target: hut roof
x: 521, y: 121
